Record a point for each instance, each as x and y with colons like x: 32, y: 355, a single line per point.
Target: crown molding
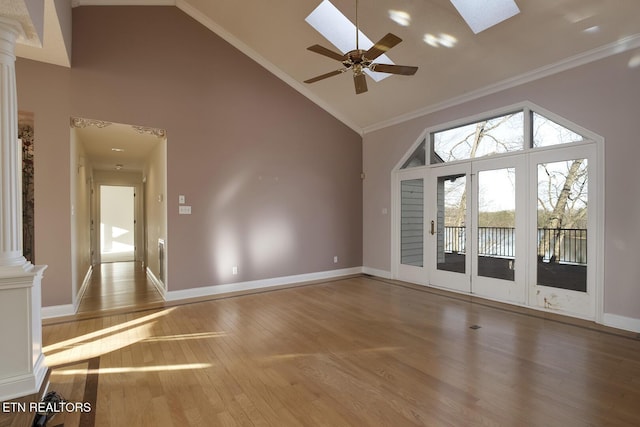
x: 620, y: 46
x: 81, y: 123
x: 269, y: 66
x: 158, y: 133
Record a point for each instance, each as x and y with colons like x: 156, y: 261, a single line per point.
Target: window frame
x: 526, y: 107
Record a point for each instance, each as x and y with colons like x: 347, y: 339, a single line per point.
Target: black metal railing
x: 561, y: 245
x: 455, y: 239
x: 497, y: 241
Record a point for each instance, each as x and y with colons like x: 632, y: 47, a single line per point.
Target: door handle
x: 432, y: 228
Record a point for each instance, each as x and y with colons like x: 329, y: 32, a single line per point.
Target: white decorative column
x: 22, y: 368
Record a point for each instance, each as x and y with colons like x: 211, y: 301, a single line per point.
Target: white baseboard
x: 70, y: 309
x: 375, y: 272
x: 258, y: 284
x: 57, y: 311
x: 157, y: 283
x: 621, y: 322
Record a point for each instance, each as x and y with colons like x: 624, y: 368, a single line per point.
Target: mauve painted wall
x: 44, y: 90
x: 273, y: 180
x: 601, y: 96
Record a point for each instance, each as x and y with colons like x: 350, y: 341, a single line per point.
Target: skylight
x: 481, y: 15
x: 335, y: 27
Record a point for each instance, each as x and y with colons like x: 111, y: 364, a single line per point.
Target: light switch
x: 181, y: 199
x: 184, y: 210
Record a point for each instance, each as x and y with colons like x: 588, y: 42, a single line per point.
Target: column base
x: 24, y: 385
x: 22, y: 369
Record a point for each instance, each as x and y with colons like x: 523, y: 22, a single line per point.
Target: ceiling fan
x: 359, y: 60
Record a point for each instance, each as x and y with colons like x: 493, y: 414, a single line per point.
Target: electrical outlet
x: 335, y: 259
x: 234, y: 269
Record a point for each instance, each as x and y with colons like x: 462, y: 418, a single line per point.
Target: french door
x: 564, y: 221
x: 410, y: 211
x: 477, y: 228
x: 515, y: 228
x: 449, y: 259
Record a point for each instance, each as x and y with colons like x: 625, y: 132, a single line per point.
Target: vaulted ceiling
x: 545, y: 37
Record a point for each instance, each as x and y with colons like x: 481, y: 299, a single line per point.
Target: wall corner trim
x: 85, y: 284
x: 376, y: 272
x: 157, y: 283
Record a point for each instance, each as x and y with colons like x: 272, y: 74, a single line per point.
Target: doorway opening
x: 119, y: 215
x: 117, y: 223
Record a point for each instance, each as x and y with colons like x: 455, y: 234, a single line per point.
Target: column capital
x: 11, y: 277
x: 10, y: 29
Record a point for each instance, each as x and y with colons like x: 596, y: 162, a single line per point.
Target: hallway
x: 118, y: 285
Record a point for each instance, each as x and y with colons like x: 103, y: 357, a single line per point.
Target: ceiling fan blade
x: 326, y: 52
x: 360, y: 82
x: 324, y: 76
x: 404, y: 70
x: 385, y: 43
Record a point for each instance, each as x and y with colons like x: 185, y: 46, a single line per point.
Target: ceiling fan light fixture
x: 339, y: 30
x: 480, y: 15
x: 361, y: 61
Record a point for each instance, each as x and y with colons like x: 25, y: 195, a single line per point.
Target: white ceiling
x: 546, y: 34
x: 546, y: 37
x: 136, y: 144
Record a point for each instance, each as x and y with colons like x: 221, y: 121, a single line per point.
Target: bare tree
x: 562, y: 204
x: 482, y: 132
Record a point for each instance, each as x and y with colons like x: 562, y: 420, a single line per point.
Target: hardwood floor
x: 116, y: 285
x: 353, y: 352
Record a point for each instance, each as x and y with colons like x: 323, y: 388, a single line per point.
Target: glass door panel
x: 499, y: 229
x: 561, y: 262
x: 496, y: 221
x: 412, y: 222
x: 452, y: 214
x: 562, y: 224
x: 410, y: 232
x: 449, y: 227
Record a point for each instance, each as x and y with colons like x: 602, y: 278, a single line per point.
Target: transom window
x: 502, y: 134
x: 546, y: 132
x: 515, y: 131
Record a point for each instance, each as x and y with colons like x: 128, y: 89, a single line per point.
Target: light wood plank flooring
x: 352, y: 352
x: 116, y: 285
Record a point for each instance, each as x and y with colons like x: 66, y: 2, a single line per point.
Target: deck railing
x: 563, y: 245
